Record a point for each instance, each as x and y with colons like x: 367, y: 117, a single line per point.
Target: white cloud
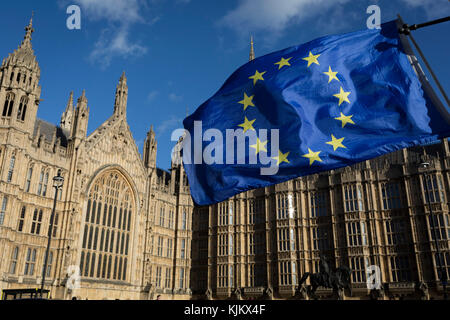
x: 171, y: 123
x: 152, y: 95
x: 175, y: 98
x: 115, y: 40
x: 123, y: 11
x: 273, y: 15
x: 107, y: 47
x: 433, y: 8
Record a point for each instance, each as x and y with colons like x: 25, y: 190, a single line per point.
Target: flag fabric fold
x: 326, y: 104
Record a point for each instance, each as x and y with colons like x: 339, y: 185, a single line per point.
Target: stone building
x: 121, y: 220
x: 258, y: 244
x: 132, y: 230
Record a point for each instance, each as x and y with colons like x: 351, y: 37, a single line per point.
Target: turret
x: 67, y: 116
x: 120, y: 104
x: 252, y: 50
x: 81, y: 117
x: 19, y: 85
x: 150, y: 147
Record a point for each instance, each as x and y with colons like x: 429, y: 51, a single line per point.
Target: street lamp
x: 443, y: 275
x: 58, y: 182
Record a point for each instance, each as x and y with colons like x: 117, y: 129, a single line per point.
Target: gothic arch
x: 123, y: 172
x: 107, y: 235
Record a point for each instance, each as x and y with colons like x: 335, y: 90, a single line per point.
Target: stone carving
x: 423, y: 289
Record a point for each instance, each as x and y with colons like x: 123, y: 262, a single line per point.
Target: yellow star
x: 257, y: 76
x: 282, y: 157
x: 342, y: 96
x: 259, y: 146
x: 247, y: 125
x: 345, y: 119
x: 336, y: 143
x: 283, y: 62
x: 331, y: 75
x: 312, y: 156
x: 247, y: 101
x: 312, y: 58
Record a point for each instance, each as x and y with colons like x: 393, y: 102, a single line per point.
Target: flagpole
x: 406, y: 29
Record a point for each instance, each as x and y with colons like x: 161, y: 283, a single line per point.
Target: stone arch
x: 108, y: 219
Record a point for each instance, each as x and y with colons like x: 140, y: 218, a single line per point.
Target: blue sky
x: 177, y: 53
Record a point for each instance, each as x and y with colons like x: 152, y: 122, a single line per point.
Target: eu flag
x: 326, y: 104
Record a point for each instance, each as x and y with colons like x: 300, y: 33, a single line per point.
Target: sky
x: 178, y: 53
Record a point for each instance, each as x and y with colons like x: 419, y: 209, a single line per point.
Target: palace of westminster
x: 133, y: 230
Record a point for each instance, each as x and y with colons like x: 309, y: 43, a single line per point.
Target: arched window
x: 49, y: 264
x: 28, y: 182
x: 41, y: 180
x: 11, y: 168
x: 44, y: 188
x: 14, y: 258
x: 22, y: 108
x: 109, y: 208
x: 30, y: 262
x: 21, y: 219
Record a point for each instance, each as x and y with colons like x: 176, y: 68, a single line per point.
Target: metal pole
x: 406, y: 30
x: 50, y: 233
x: 432, y: 225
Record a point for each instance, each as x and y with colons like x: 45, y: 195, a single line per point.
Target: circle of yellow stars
x: 313, y: 156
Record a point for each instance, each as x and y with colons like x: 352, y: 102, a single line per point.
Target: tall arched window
x: 11, y: 168
x: 44, y: 188
x: 28, y: 182
x: 22, y: 108
x: 109, y: 209
x: 41, y: 180
x: 8, y: 106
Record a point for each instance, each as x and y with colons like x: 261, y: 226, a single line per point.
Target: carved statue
x: 208, y: 294
x: 269, y: 293
x: 238, y: 294
x: 301, y: 292
x: 423, y: 289
x: 338, y: 279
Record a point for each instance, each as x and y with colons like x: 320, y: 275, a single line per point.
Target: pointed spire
x: 120, y: 104
x: 83, y: 98
x: 66, y: 117
x: 26, y: 43
x: 151, y: 131
x: 69, y: 106
x: 122, y: 81
x: 252, y: 50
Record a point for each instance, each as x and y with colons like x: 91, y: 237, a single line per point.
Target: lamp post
x: 58, y: 182
x: 443, y: 275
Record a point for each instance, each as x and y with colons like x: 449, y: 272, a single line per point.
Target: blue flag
x: 326, y: 104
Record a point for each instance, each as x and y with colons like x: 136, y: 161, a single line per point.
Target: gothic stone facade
x: 129, y: 226
x: 121, y: 220
x: 259, y: 243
